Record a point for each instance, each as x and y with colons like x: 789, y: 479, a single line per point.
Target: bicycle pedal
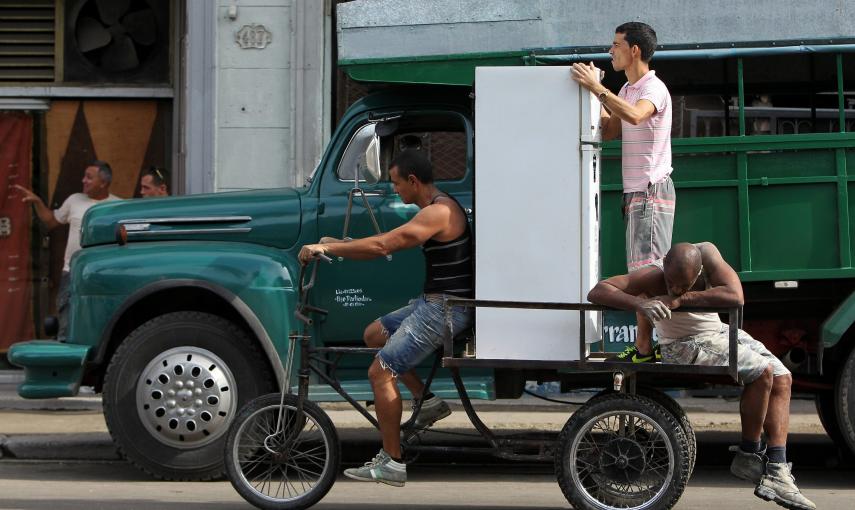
x: 412, y: 435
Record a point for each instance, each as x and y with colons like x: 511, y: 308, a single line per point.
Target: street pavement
x: 114, y: 485
x: 74, y: 428
x: 58, y: 454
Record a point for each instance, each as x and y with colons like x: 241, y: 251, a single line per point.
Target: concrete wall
x: 256, y: 118
x: 391, y: 28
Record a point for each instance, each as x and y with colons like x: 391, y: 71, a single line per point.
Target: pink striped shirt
x: 646, y: 148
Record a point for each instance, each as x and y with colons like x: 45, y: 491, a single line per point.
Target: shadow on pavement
x: 111, y: 504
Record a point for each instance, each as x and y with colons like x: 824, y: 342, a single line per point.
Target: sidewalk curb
x: 11, y: 376
x: 83, y: 446
x: 809, y: 451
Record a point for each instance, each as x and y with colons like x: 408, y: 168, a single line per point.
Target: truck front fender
x: 110, y: 282
x: 836, y: 325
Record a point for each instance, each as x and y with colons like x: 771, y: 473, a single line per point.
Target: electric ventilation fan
x: 117, y: 40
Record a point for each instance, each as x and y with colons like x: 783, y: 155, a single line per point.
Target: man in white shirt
x: 96, y: 188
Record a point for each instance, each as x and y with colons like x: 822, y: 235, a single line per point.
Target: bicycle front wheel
x: 282, y: 466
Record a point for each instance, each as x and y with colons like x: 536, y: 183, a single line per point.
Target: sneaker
x: 748, y: 466
x: 779, y: 485
x: 432, y: 410
x: 631, y: 355
x: 380, y: 469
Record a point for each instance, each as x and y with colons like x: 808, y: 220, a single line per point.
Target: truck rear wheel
x: 827, y: 411
x: 845, y: 402
x: 173, y: 388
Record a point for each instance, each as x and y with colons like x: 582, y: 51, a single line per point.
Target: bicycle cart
x: 628, y: 447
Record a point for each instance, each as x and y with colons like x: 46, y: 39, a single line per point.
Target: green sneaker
x: 631, y: 355
x: 380, y: 469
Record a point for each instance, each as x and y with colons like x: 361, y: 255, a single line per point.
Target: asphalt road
x: 113, y: 485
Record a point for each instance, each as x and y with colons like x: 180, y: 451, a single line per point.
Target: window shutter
x: 27, y: 35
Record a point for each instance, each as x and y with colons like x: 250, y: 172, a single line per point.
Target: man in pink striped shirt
x: 640, y: 114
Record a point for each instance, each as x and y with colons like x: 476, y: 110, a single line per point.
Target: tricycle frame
x: 623, y: 469
x: 505, y: 448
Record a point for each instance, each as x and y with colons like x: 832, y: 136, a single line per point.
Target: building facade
x: 225, y: 95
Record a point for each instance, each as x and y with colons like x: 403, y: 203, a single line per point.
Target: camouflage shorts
x: 752, y: 357
x: 649, y: 218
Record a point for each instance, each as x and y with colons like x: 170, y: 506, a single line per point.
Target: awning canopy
x: 459, y: 69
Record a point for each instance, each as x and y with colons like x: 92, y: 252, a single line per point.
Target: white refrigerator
x: 536, y: 210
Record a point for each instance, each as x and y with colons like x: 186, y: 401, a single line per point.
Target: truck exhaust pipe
x: 794, y: 358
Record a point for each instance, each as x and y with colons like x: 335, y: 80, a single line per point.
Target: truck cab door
x: 356, y: 292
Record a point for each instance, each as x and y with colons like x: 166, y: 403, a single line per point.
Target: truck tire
x: 622, y: 451
x: 172, y: 389
x: 827, y: 411
x: 845, y: 402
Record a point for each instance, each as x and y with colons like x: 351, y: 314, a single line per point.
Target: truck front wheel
x: 172, y: 389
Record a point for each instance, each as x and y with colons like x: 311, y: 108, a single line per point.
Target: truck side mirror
x: 368, y: 168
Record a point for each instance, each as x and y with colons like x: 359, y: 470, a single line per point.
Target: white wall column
x: 198, y: 49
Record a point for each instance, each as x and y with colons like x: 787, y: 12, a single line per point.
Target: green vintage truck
x: 205, y: 285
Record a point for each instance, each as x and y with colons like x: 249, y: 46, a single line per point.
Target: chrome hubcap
x: 186, y: 397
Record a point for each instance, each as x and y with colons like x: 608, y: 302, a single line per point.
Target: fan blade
x: 91, y: 35
x: 121, y: 55
x: 111, y: 10
x: 141, y: 26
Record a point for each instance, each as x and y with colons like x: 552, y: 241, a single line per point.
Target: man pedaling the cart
x: 410, y: 334
x: 696, y: 275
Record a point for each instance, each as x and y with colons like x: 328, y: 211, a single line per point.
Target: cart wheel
x: 622, y: 451
x: 674, y: 408
x: 296, y: 467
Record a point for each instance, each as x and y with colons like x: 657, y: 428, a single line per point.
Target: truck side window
x: 446, y: 151
x: 441, y: 136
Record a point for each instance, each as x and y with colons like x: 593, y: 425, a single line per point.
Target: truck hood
x: 268, y: 217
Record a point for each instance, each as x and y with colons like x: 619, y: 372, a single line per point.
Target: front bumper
x: 51, y: 369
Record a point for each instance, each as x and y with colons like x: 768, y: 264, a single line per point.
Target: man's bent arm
x: 725, y: 288
x: 46, y: 215
x: 44, y: 212
x: 426, y: 224
x: 634, y: 114
x: 589, y: 77
x: 610, y: 127
x: 615, y: 292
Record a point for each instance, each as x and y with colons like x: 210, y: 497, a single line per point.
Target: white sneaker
x: 779, y: 485
x: 432, y: 410
x: 380, y: 469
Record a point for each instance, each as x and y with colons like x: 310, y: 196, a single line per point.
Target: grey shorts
x: 649, y: 218
x: 752, y: 357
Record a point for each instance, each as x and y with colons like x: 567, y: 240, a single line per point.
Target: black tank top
x: 449, y: 265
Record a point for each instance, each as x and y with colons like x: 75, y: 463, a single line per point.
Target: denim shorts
x: 416, y: 330
x: 752, y: 357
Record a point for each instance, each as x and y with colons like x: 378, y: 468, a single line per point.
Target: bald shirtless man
x: 696, y: 275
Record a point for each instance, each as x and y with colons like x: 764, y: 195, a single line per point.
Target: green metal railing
x: 776, y: 205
